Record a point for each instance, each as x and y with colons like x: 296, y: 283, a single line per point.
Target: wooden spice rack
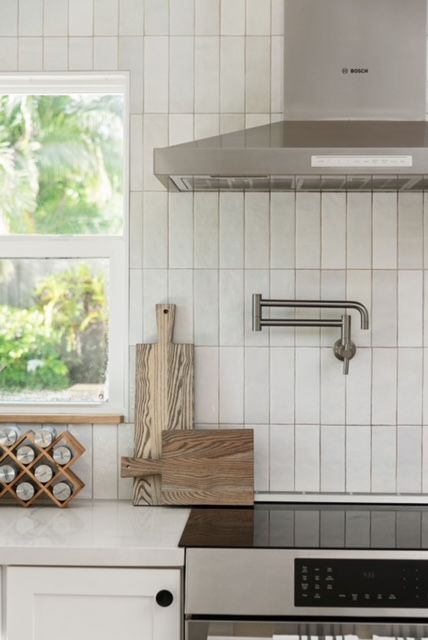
x: 26, y: 472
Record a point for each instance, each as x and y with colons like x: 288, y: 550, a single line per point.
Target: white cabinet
x: 44, y: 603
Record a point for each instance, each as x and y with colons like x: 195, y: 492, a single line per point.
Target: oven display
x: 361, y: 583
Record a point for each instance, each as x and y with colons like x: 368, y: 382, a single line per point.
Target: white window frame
x: 113, y: 248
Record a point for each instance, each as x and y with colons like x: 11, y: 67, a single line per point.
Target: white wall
x: 200, y: 67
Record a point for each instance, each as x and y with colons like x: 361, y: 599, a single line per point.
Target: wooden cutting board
x: 213, y: 467
x: 163, y: 398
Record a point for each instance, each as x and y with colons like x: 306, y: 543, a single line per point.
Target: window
x: 63, y: 246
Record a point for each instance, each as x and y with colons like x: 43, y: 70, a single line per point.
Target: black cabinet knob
x: 164, y: 598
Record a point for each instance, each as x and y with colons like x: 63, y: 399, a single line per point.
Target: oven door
x: 205, y: 629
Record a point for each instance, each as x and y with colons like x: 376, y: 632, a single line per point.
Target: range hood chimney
x: 354, y: 108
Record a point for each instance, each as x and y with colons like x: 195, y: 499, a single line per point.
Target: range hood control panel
x: 360, y: 583
x: 361, y: 161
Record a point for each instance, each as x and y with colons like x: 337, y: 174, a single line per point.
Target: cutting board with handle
x: 207, y: 467
x: 163, y: 398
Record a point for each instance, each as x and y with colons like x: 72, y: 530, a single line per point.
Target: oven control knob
x: 164, y: 598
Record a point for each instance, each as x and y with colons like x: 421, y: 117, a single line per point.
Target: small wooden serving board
x: 207, y: 467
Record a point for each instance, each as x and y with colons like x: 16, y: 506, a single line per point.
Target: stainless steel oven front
x: 294, y: 593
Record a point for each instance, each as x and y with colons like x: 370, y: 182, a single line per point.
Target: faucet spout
x: 364, y: 314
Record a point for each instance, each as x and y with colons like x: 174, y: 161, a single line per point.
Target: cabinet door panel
x: 50, y: 603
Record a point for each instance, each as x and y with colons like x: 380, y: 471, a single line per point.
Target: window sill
x: 60, y: 419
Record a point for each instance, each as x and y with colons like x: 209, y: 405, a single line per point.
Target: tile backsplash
x: 197, y: 68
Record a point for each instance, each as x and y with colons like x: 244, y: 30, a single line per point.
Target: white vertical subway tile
x: 206, y: 230
x: 277, y: 26
x: 105, y: 471
x: 207, y: 17
x: 258, y: 17
x: 155, y: 291
x: 55, y: 17
x: 206, y: 306
x: 384, y: 313
x: 256, y: 385
x: 425, y: 308
x: 308, y: 287
x: 410, y: 231
x: 358, y: 459
x: 384, y: 230
x: 409, y: 400
x: 155, y: 230
x: 332, y: 389
x: 182, y: 17
x: 230, y: 122
x: 282, y: 385
x: 206, y: 385
x: 424, y: 458
x: 106, y: 17
x: 125, y: 445
x: 384, y: 392
x: 333, y: 459
x: 181, y: 74
x: 207, y: 74
x: 307, y: 468
x: 257, y: 74
x: 232, y: 17
x: 135, y: 306
x: 136, y: 153
x: 231, y: 230
x: 131, y: 17
x: 206, y: 125
x: 180, y: 127
x: 232, y: 74
x: 232, y: 307
x: 283, y: 223
x: 281, y: 457
x: 282, y: 286
x: 277, y: 75
x: 425, y: 387
x: 257, y: 231
x: 261, y: 457
x: 358, y: 389
x: 410, y: 308
x: 307, y: 386
x: 55, y: 54
x: 425, y: 234
x: 9, y: 18
x: 105, y: 53
x: 155, y: 135
x: 384, y: 460
x: 359, y: 231
x: 231, y: 387
x: 308, y: 231
x: 333, y: 225
x: 83, y: 467
x: 156, y: 66
x: 409, y: 459
x: 30, y: 54
x: 333, y: 287
x: 80, y: 17
x: 180, y: 230
x: 256, y: 281
x: 30, y: 17
x: 130, y: 58
x: 80, y: 54
x: 359, y: 287
x: 156, y: 17
x: 180, y: 293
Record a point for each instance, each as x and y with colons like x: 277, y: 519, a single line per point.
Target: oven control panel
x: 360, y: 583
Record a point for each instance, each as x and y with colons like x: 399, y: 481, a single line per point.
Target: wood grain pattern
x: 213, y: 467
x: 163, y: 398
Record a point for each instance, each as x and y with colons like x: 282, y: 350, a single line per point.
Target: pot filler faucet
x: 344, y: 349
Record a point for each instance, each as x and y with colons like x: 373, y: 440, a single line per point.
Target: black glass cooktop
x: 291, y: 526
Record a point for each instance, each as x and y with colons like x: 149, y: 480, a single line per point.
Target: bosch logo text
x: 347, y: 70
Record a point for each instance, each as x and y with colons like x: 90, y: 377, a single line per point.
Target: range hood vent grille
x: 360, y: 183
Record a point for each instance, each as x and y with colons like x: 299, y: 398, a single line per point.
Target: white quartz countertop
x: 92, y: 533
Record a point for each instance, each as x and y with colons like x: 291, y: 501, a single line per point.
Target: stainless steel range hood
x: 355, y: 74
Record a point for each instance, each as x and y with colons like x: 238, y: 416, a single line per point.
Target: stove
x: 302, y: 570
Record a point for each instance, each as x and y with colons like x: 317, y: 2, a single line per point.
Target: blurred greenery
x: 61, y: 160
x: 59, y: 341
